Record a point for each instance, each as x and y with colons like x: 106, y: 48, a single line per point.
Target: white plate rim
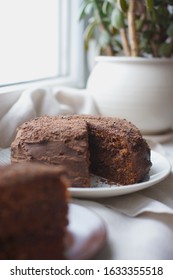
x: 158, y: 173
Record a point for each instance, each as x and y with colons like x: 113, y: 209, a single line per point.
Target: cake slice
x: 33, y: 211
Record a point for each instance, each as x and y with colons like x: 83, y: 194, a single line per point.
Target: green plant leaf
x: 104, y: 38
x: 82, y: 10
x: 118, y: 44
x: 122, y: 4
x: 117, y: 18
x: 139, y: 23
x: 166, y: 49
x: 170, y: 30
x: 149, y: 4
x: 89, y: 32
x: 105, y: 7
x: 111, y: 1
x: 89, y: 8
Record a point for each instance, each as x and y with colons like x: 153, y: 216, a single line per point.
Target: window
x: 40, y: 41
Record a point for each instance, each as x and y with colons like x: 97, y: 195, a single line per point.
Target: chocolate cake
x: 109, y: 147
x: 33, y: 211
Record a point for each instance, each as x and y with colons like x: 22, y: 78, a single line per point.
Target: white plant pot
x: 138, y: 89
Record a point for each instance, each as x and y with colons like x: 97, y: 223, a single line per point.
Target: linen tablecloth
x: 139, y: 225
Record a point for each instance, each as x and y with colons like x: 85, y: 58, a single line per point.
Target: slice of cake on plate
x: 33, y: 211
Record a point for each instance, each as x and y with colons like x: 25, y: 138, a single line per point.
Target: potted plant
x: 133, y: 76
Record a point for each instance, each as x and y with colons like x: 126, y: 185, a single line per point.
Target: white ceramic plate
x: 160, y: 169
x: 86, y: 233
